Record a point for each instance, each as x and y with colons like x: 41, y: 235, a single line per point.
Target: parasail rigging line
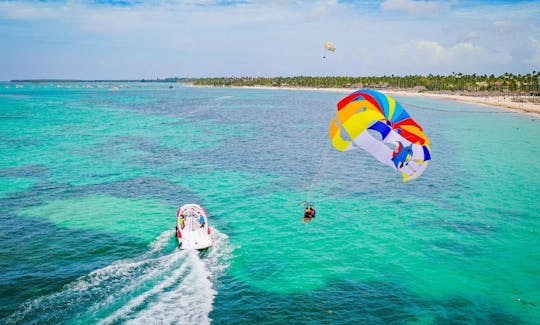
x: 317, y: 173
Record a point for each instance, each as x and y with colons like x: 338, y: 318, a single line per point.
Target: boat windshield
x: 193, y: 220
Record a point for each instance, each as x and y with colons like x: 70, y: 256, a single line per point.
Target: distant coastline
x: 514, y: 91
x: 529, y: 104
x: 521, y: 92
x: 100, y: 80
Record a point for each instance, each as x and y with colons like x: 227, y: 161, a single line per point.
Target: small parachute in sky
x: 379, y: 125
x: 330, y: 46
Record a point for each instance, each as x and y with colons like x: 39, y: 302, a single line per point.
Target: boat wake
x: 156, y: 287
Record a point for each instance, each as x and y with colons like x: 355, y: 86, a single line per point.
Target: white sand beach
x: 509, y: 101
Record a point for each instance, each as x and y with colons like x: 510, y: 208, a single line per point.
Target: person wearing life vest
x: 309, y: 212
x: 182, y: 220
x: 201, y: 221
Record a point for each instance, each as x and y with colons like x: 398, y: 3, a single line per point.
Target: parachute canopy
x: 379, y: 125
x: 330, y: 46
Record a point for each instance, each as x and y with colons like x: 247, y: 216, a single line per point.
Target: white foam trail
x: 125, y: 268
x: 161, y: 241
x: 96, y: 282
x: 155, y: 287
x: 139, y: 300
x: 189, y: 302
x: 162, y: 266
x: 219, y: 255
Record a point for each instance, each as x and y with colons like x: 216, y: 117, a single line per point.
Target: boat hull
x: 192, y: 230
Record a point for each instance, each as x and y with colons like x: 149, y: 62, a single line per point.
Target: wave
x: 173, y: 287
x: 224, y: 97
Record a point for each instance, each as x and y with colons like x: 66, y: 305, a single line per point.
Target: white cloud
x: 198, y: 38
x: 425, y: 56
x: 29, y: 11
x: 534, y: 59
x: 416, y: 7
x: 428, y: 52
x: 466, y: 53
x: 432, y: 54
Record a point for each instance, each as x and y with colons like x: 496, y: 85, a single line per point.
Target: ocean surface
x: 91, y: 176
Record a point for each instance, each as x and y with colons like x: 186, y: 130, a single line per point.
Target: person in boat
x: 201, y: 221
x: 182, y: 220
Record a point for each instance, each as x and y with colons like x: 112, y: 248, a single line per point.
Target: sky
x: 135, y: 39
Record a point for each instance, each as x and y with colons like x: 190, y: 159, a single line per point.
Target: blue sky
x: 197, y: 38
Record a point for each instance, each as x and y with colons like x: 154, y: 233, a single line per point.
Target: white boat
x: 192, y: 230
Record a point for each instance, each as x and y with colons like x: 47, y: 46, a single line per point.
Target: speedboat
x: 192, y: 230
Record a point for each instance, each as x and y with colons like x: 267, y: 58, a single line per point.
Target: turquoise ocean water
x: 90, y: 180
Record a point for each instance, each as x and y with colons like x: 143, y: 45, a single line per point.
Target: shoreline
x: 497, y: 101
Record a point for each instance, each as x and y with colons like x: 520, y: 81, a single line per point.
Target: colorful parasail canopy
x: 375, y: 122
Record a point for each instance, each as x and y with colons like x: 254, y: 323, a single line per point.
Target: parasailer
x: 309, y: 212
x: 378, y: 124
x: 329, y: 46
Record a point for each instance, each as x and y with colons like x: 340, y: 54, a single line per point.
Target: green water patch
x: 223, y: 189
x: 80, y: 152
x: 149, y: 188
x: 498, y: 155
x: 130, y: 97
x: 280, y: 253
x: 39, y: 258
x: 467, y: 253
x: 14, y: 184
x: 117, y: 163
x: 143, y: 219
x: 350, y: 301
x: 273, y: 241
x: 457, y: 245
x: 145, y: 187
x: 372, y: 240
x: 84, y: 146
x: 190, y: 136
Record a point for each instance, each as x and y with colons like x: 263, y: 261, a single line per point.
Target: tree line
x: 508, y: 83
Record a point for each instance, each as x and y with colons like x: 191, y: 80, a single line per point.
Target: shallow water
x: 90, y: 180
